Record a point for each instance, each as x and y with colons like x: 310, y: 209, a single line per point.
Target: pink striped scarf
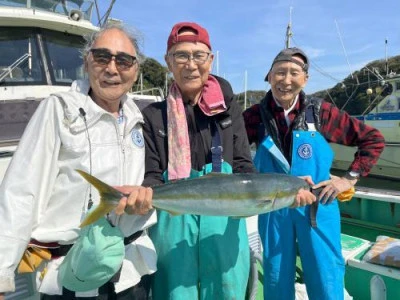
x: 211, y: 102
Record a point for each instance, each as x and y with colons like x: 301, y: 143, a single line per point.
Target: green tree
x: 352, y: 94
x: 152, y: 74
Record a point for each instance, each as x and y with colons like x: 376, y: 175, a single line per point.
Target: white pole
x: 386, y: 58
x: 344, y: 49
x: 217, y: 63
x: 141, y: 83
x: 166, y: 83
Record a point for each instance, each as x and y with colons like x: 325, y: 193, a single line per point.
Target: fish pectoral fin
x: 102, y: 209
x: 262, y: 203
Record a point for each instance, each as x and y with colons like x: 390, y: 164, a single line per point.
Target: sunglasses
x: 104, y: 56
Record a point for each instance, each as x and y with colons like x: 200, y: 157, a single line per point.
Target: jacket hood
x: 79, y: 107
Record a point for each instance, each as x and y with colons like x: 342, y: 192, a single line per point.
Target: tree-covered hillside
x: 354, y: 94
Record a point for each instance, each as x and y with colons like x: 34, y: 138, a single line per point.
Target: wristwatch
x: 351, y: 175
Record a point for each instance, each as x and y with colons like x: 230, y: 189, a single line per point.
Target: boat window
x: 65, y: 58
x: 20, y: 61
x: 14, y: 116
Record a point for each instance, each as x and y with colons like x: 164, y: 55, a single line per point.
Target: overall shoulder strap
x: 216, y: 148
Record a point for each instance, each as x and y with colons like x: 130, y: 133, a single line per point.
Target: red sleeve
x: 339, y: 127
x: 252, y: 120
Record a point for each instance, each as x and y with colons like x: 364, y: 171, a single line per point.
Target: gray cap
x: 287, y: 55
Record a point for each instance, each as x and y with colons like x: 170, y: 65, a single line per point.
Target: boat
x: 40, y: 54
x: 40, y: 46
x: 385, y: 116
x: 40, y: 43
x: 373, y: 212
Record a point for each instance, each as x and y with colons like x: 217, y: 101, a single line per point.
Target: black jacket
x: 270, y: 127
x: 236, y: 150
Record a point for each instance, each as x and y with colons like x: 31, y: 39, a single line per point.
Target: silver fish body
x: 235, y: 195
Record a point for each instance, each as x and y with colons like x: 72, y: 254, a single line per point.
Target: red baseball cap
x: 200, y: 36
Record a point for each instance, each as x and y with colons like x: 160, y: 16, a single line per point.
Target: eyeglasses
x: 199, y: 57
x: 281, y: 74
x: 122, y: 60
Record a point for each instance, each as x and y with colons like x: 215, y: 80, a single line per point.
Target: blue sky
x: 248, y: 34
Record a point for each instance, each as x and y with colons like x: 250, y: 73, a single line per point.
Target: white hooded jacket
x: 42, y: 196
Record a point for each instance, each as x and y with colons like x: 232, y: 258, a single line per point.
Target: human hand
x: 139, y: 201
x: 2, y: 296
x: 333, y: 187
x: 303, y: 198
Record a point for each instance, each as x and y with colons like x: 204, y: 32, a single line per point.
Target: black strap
x: 314, y: 207
x: 313, y: 214
x: 132, y: 237
x: 216, y: 149
x: 310, y: 114
x: 60, y: 251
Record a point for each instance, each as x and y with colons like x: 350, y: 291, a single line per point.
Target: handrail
x: 15, y: 64
x: 143, y: 92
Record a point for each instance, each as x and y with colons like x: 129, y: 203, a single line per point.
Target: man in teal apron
x: 292, y: 134
x: 198, y: 129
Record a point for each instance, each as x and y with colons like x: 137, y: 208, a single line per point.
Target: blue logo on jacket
x: 305, y: 151
x: 137, y: 138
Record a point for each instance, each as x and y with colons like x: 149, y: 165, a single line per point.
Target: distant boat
x: 385, y: 116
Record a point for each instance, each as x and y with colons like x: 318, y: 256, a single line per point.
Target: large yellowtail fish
x: 215, y: 194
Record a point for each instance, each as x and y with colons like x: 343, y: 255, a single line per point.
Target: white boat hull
x: 388, y: 165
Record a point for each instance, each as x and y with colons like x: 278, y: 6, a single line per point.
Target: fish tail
x: 102, y: 209
x: 101, y: 186
x: 109, y: 197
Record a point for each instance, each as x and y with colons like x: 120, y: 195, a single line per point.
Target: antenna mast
x: 103, y: 20
x: 289, y: 33
x: 344, y: 49
x: 386, y: 58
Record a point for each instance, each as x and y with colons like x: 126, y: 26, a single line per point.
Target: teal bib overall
x: 201, y: 257
x: 319, y: 247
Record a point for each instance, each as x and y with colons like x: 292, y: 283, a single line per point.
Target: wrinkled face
x: 287, y: 79
x: 191, y: 75
x: 110, y: 81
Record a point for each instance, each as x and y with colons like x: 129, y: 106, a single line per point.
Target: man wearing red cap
x: 292, y: 134
x: 198, y: 129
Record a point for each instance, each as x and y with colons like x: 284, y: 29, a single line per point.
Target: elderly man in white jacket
x: 94, y: 127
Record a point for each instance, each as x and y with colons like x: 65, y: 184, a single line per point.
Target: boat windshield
x: 32, y: 56
x: 64, y: 7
